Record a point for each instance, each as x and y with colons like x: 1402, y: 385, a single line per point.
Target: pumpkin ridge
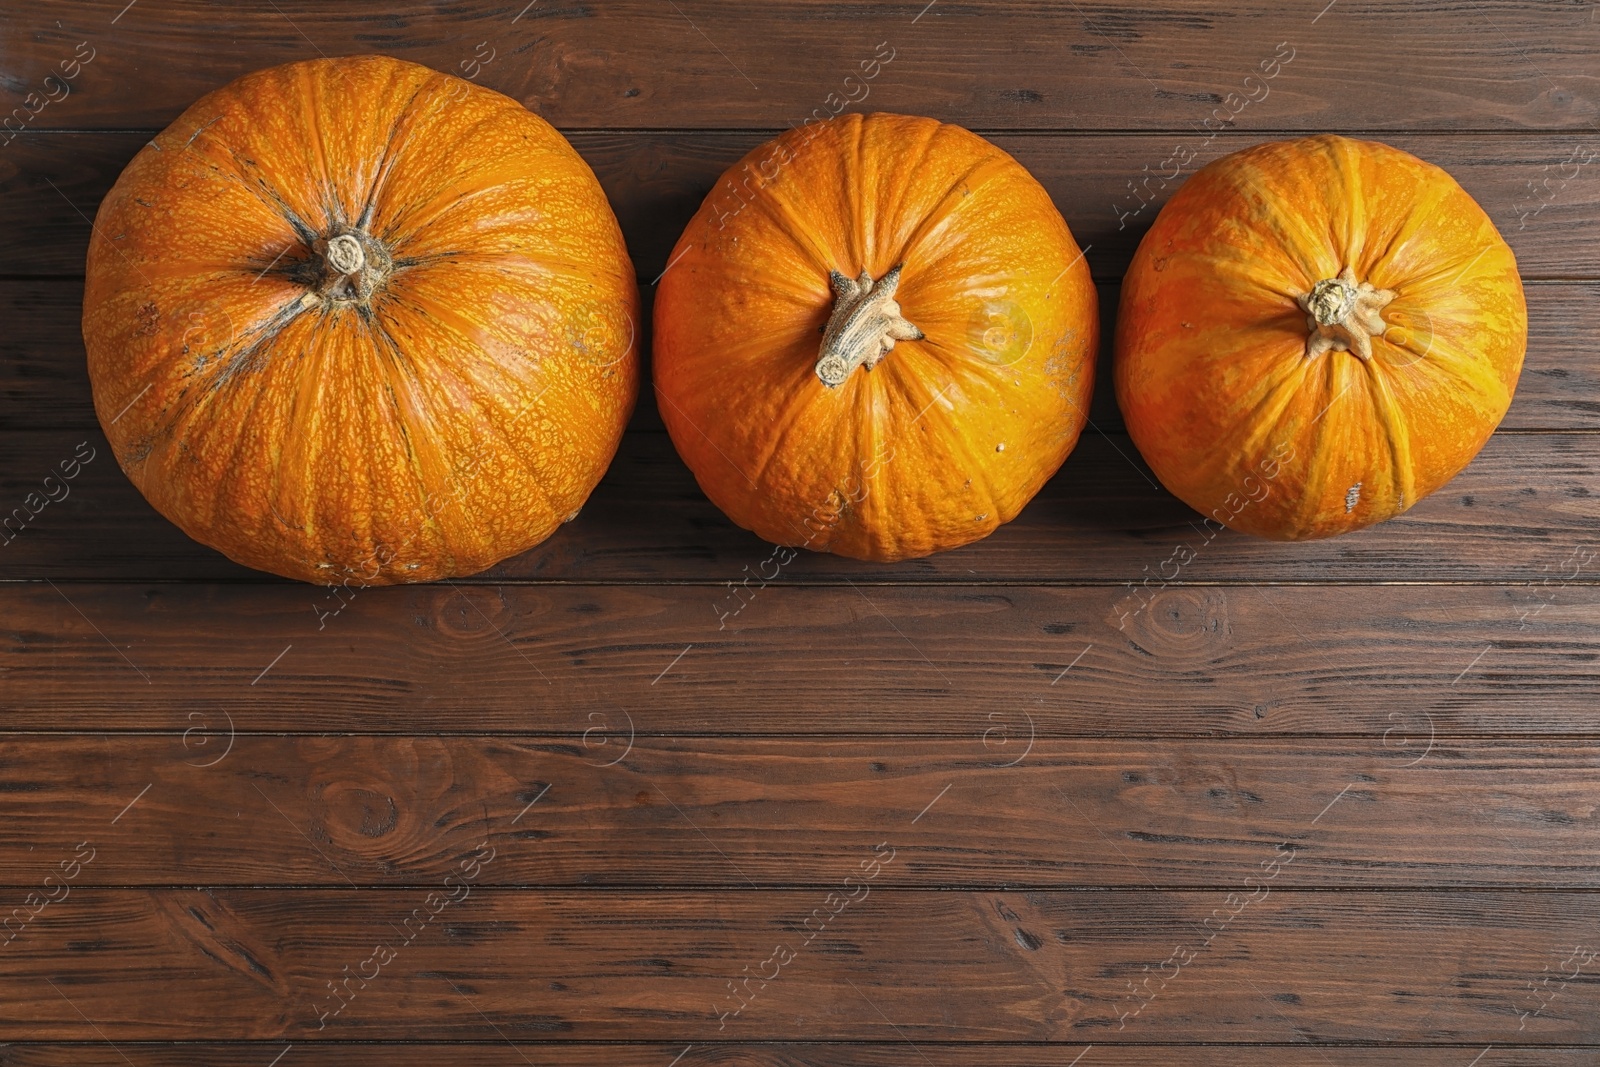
x: 1314, y: 476
x: 234, y: 103
x: 386, y: 160
x: 241, y: 171
x: 856, y: 232
x: 526, y: 369
x: 1457, y: 268
x: 1265, y: 418
x: 1351, y: 246
x: 1252, y: 230
x: 301, y: 424
x: 800, y: 402
x: 417, y: 218
x: 1413, y: 225
x: 807, y: 243
x: 327, y: 96
x: 763, y: 276
x: 943, y: 214
x: 972, y: 469
x: 360, y: 526
x: 196, y: 409
x: 515, y: 264
x: 1377, y: 264
x: 1310, y: 245
x: 429, y: 310
x: 364, y: 339
x: 981, y: 154
x: 273, y: 199
x: 1397, y: 427
x: 403, y: 372
x: 265, y: 337
x: 213, y: 153
x: 869, y: 439
x: 1422, y: 207
x: 320, y: 172
x: 707, y: 438
x: 1343, y: 381
x: 1454, y: 370
x: 953, y: 358
x: 442, y: 209
x: 485, y: 392
x: 175, y: 355
x: 511, y: 449
x: 200, y: 396
x: 903, y: 190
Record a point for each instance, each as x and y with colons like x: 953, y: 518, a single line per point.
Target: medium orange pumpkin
x: 357, y: 321
x: 1316, y: 334
x: 875, y: 338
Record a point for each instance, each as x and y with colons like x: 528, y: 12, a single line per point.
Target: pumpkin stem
x: 345, y: 256
x: 353, y: 265
x: 1343, y: 315
x: 865, y: 324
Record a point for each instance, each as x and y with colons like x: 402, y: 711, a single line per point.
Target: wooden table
x: 973, y: 809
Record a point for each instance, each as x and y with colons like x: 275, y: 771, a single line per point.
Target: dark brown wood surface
x: 636, y: 64
x: 882, y: 660
x: 1275, y: 965
x: 1003, y: 808
x: 1320, y: 803
x: 785, y: 1054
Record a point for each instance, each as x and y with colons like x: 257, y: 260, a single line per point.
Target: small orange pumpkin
x: 1316, y: 334
x: 875, y: 338
x: 357, y: 321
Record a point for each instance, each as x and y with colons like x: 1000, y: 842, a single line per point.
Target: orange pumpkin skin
x: 947, y: 436
x: 446, y: 404
x: 1215, y: 370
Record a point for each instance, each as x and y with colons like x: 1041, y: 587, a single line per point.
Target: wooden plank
x: 633, y: 64
x: 869, y: 660
x: 44, y: 383
x: 1000, y: 809
x: 1279, y: 965
x: 1520, y: 509
x: 837, y: 1054
x: 51, y: 185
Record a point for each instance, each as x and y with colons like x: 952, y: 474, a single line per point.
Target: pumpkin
x: 1316, y: 334
x: 875, y: 338
x: 357, y: 321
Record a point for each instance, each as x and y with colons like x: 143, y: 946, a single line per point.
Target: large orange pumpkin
x: 357, y: 321
x: 1316, y: 334
x: 875, y: 338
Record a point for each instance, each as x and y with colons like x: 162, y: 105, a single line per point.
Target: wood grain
x: 868, y: 660
x: 1520, y: 509
x: 834, y: 1054
x: 1280, y: 965
x: 1001, y: 808
x: 44, y: 382
x: 713, y: 63
x: 51, y: 185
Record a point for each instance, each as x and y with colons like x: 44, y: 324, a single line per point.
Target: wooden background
x: 1339, y: 795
